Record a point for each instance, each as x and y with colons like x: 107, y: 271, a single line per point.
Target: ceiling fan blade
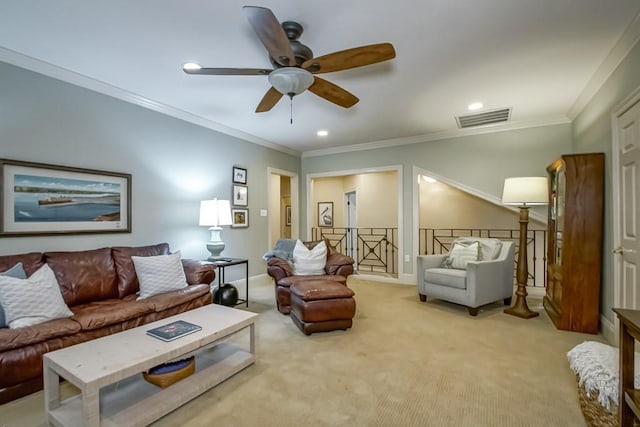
x: 271, y: 34
x: 350, y: 58
x: 269, y: 100
x: 332, y: 93
x: 229, y: 71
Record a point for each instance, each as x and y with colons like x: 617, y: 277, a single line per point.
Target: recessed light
x: 475, y: 106
x: 191, y: 66
x: 428, y: 179
x: 322, y: 133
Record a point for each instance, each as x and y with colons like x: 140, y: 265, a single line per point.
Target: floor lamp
x: 524, y: 192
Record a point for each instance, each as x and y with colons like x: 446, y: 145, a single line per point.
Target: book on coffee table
x: 173, y: 330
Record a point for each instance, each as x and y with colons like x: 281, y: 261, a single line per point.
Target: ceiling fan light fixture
x: 191, y: 66
x: 290, y: 80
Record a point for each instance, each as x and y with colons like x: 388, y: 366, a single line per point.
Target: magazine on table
x: 173, y: 330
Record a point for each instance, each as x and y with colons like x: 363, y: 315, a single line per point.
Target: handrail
x: 374, y: 249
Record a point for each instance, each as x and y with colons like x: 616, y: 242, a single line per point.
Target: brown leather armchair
x: 337, y: 268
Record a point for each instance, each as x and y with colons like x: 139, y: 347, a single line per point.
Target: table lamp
x: 213, y: 214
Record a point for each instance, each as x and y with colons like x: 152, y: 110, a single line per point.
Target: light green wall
x: 174, y: 164
x: 480, y: 162
x: 592, y: 133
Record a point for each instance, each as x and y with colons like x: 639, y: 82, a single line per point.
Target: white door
x: 352, y: 227
x: 626, y: 241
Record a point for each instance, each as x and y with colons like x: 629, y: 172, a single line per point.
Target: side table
x: 222, y: 264
x: 629, y: 397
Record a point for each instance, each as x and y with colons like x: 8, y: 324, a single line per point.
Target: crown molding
x: 620, y: 50
x: 63, y: 74
x: 439, y: 136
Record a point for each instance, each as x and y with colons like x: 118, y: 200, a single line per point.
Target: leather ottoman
x: 283, y: 294
x: 321, y: 306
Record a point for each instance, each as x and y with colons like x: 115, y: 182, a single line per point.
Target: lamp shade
x: 290, y: 80
x: 531, y: 190
x: 215, y: 212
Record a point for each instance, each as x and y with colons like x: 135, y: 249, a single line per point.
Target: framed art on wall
x: 239, y: 175
x: 240, y: 217
x: 325, y: 214
x: 287, y: 215
x: 240, y: 195
x: 44, y: 199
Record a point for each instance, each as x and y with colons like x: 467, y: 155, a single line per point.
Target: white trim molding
x: 59, y: 73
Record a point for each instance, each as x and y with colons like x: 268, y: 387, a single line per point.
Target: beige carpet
x: 404, y: 363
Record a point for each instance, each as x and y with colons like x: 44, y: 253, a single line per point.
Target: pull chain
x: 291, y: 108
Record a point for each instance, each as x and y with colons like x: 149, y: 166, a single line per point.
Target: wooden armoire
x: 574, y: 251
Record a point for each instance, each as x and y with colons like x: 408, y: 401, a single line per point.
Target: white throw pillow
x: 309, y: 262
x: 18, y: 272
x: 159, y: 274
x: 28, y: 302
x: 489, y: 247
x: 462, y: 253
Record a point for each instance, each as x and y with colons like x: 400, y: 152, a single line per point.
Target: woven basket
x: 595, y: 414
x: 167, y: 378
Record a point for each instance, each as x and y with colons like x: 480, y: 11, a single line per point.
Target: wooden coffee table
x: 108, y: 370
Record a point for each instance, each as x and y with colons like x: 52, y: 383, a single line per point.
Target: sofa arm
x: 198, y: 272
x: 493, y: 280
x: 425, y: 262
x: 430, y: 261
x: 339, y: 264
x: 278, y: 268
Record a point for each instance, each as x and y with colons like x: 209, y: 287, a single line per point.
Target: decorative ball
x: 227, y: 294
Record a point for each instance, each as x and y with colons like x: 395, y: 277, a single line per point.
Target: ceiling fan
x: 294, y: 67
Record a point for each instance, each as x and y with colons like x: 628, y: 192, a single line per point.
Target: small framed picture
x: 287, y: 215
x: 325, y: 214
x: 240, y: 217
x: 239, y: 175
x: 240, y: 195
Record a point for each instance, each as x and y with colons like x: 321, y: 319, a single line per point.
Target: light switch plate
x: 407, y: 258
x: 263, y: 212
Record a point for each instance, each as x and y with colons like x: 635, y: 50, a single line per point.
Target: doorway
x: 283, y: 208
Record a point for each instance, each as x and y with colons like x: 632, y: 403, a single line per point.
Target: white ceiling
x: 536, y: 56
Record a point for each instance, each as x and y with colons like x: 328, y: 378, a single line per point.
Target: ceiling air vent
x: 484, y: 118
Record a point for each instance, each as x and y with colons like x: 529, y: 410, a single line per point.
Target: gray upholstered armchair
x: 470, y: 283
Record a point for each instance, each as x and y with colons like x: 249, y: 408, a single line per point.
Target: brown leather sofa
x: 337, y: 268
x: 99, y: 286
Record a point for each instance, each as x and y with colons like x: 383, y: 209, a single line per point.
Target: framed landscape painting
x: 43, y: 199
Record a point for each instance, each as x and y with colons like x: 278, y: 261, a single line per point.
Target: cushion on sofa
x: 168, y: 300
x: 309, y: 261
x: 17, y: 338
x: 27, y: 302
x: 84, y: 276
x: 158, y: 274
x: 454, y: 278
x: 489, y: 247
x: 18, y: 272
x: 127, y: 279
x: 31, y: 262
x: 98, y: 314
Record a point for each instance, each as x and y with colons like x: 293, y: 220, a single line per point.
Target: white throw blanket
x: 597, y: 367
